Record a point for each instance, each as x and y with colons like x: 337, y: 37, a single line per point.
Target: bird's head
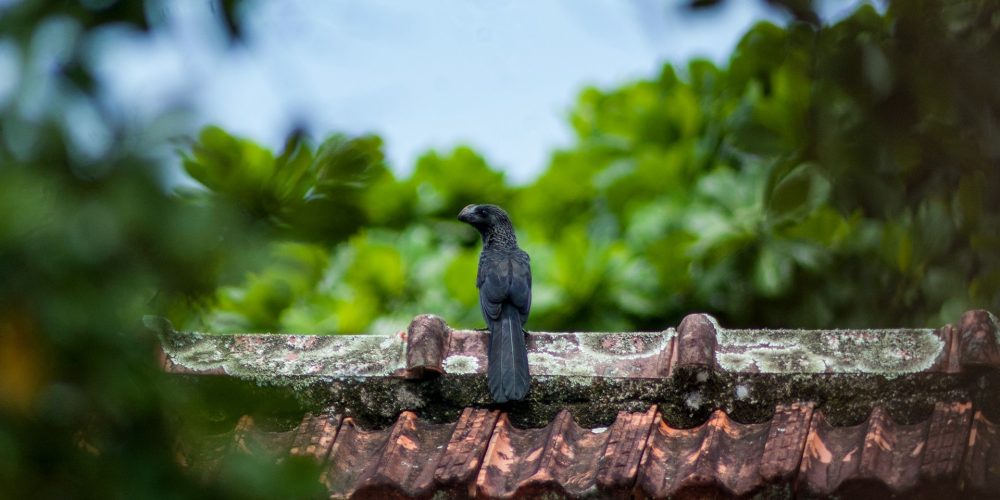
x: 483, y: 217
x: 492, y: 223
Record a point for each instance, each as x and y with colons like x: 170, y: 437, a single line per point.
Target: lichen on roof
x: 687, y: 371
x: 822, y: 351
x: 274, y: 357
x: 597, y: 354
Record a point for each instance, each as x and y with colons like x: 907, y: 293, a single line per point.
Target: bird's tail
x: 507, y: 372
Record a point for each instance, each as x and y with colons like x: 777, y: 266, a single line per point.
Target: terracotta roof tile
x: 880, y: 454
x: 315, y: 435
x: 786, y: 436
x: 948, y: 360
x: 458, y: 468
x: 718, y: 455
x: 397, y: 461
x: 979, y: 343
x: 412, y: 458
x: 981, y: 470
x: 206, y: 455
x: 949, y: 424
x: 483, y: 455
x: 563, y: 457
x: 426, y: 339
x: 697, y: 339
x: 619, y: 464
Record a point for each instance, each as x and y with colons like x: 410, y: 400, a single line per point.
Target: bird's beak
x: 466, y: 215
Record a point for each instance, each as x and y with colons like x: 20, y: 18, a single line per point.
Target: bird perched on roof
x: 504, y: 282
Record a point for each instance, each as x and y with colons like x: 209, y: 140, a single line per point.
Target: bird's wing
x: 519, y: 293
x: 504, y: 277
x: 493, y: 282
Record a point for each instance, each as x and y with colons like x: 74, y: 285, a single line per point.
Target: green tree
x: 90, y: 241
x: 830, y: 175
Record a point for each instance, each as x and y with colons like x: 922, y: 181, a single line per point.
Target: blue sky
x: 499, y: 75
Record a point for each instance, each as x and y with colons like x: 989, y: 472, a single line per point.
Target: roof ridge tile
x: 980, y: 345
x: 697, y: 338
x: 426, y: 345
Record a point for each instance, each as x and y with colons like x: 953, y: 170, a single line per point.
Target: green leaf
x: 797, y: 193
x: 773, y: 272
x: 291, y: 170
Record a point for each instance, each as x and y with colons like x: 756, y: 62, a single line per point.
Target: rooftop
x: 690, y: 410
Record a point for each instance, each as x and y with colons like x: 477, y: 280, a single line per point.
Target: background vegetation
x: 845, y: 176
x: 834, y: 175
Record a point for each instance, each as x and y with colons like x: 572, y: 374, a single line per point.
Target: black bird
x: 504, y: 282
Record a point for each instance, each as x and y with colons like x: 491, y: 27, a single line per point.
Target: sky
x: 498, y: 75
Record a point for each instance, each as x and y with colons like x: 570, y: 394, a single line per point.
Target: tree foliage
x: 90, y: 241
x: 836, y: 176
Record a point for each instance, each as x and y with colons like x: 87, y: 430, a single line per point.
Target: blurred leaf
x: 448, y: 183
x: 311, y: 196
x: 773, y: 272
x: 797, y: 193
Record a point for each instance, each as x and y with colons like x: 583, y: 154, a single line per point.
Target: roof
x: 484, y: 455
x: 687, y: 411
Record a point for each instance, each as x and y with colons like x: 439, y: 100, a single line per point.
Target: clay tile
x: 696, y: 341
x: 947, y: 436
x: 496, y: 476
x: 426, y: 340
x: 457, y: 469
x: 874, y: 458
x: 209, y: 454
x: 978, y: 334
x: 350, y: 454
x: 981, y: 472
x: 831, y: 455
x: 619, y: 463
x: 561, y: 459
x: 719, y: 456
x: 892, y: 453
x: 398, y: 462
x: 949, y: 358
x: 786, y: 438
x: 483, y: 455
x: 315, y: 436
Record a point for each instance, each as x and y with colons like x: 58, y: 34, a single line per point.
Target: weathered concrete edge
x: 430, y: 347
x: 376, y: 392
